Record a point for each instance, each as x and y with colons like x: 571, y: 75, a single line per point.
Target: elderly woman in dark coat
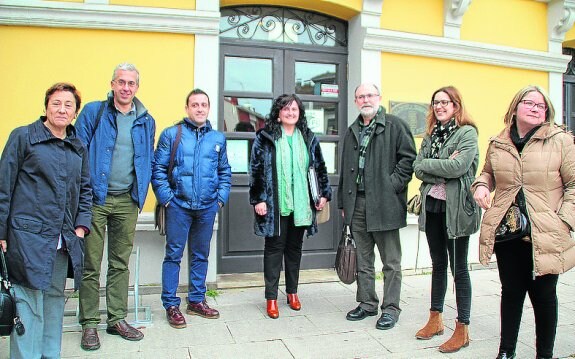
x: 45, y: 201
x: 282, y: 154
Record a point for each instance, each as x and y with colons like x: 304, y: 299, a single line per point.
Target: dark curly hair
x: 279, y: 103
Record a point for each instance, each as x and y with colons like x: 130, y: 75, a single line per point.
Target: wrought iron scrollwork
x: 571, y: 65
x: 282, y: 25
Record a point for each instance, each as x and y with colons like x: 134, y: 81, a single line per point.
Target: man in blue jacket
x: 119, y: 134
x: 193, y: 192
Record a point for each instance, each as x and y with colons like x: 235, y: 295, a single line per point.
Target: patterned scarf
x: 367, y: 134
x: 292, y: 163
x: 440, y: 134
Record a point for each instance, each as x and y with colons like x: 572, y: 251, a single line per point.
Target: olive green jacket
x: 463, y: 216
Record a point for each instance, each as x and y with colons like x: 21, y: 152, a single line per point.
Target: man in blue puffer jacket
x: 119, y: 134
x: 192, y: 193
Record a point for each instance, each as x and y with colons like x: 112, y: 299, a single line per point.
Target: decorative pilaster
x: 560, y: 19
x: 453, y: 12
x: 363, y: 64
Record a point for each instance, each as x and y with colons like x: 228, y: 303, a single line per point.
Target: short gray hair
x: 126, y: 66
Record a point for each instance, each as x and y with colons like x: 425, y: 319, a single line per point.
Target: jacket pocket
x: 27, y: 225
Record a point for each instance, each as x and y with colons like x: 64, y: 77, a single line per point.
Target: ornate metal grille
x: 284, y: 25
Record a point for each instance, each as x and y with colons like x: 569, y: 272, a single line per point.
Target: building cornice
x: 108, y: 17
x: 460, y: 50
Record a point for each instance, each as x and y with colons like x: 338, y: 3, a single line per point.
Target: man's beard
x: 368, y: 112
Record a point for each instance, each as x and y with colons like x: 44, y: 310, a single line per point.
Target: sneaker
x: 203, y: 310
x: 175, y: 317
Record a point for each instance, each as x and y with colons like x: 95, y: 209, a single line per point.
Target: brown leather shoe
x: 126, y: 331
x: 175, y: 317
x: 90, y: 340
x: 203, y: 310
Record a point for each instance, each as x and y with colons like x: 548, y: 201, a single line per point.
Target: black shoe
x: 386, y: 321
x: 505, y: 355
x: 359, y: 313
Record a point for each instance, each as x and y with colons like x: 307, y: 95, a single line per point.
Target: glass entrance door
x: 253, y: 73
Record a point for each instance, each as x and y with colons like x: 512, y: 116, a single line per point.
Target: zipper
x: 196, y: 175
x: 525, y: 203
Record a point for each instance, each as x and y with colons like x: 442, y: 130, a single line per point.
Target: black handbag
x: 8, y: 314
x: 514, y: 225
x: 346, y: 258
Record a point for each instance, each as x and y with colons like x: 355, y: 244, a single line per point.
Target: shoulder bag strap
x: 173, y: 152
x: 4, y: 273
x: 99, y: 117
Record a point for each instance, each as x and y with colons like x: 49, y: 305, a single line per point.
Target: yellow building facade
x: 488, y: 49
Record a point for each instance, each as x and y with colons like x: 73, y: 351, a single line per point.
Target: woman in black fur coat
x: 283, y: 153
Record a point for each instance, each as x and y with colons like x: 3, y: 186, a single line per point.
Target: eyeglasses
x: 368, y: 96
x: 443, y: 103
x: 530, y: 104
x: 122, y: 83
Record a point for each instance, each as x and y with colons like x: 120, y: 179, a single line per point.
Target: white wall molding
x: 453, y: 11
x: 459, y: 50
x: 108, y: 17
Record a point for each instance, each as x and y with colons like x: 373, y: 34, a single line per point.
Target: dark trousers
x: 389, y: 245
x: 444, y: 250
x: 288, y: 246
x: 515, y: 263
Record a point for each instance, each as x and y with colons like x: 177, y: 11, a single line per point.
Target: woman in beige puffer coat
x: 530, y: 163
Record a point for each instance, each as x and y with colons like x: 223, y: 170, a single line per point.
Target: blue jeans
x: 193, y: 227
x: 42, y: 313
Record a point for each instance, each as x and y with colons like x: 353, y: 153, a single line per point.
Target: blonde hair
x: 509, y: 118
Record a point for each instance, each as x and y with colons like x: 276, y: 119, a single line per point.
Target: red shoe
x: 273, y: 311
x: 293, y: 301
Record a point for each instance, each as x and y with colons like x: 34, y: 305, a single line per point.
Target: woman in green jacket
x: 446, y: 165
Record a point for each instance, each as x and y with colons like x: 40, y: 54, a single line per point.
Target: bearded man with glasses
x: 376, y: 166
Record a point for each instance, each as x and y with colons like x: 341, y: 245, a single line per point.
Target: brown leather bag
x: 346, y: 258
x: 414, y: 205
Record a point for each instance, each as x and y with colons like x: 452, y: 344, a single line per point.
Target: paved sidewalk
x: 320, y: 329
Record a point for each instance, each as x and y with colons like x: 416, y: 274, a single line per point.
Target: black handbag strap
x: 173, y: 152
x: 4, y: 273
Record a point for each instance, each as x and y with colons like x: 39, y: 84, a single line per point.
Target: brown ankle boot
x: 459, y: 339
x: 433, y: 327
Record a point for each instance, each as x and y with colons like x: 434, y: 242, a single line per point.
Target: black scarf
x: 439, y: 135
x: 518, y: 141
